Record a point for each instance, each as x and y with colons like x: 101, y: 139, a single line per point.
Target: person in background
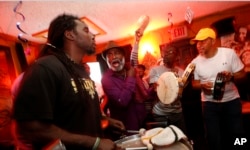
x: 57, y: 99
x: 242, y: 38
x: 140, y: 69
x: 245, y: 39
x: 98, y: 86
x: 102, y: 96
x: 87, y: 68
x: 245, y: 87
x: 171, y: 113
x: 144, y: 93
x: 242, y: 34
x: 119, y: 83
x: 245, y: 57
x: 222, y: 118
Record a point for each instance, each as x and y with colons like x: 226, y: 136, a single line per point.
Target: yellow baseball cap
x: 203, y: 34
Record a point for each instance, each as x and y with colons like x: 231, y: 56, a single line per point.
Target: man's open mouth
x: 116, y: 63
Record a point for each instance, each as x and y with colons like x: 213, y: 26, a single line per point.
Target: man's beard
x: 120, y: 67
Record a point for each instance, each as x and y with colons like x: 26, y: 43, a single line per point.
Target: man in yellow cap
x: 222, y: 116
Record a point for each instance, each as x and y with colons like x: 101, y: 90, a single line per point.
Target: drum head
x: 135, y: 142
x: 168, y: 88
x: 132, y: 141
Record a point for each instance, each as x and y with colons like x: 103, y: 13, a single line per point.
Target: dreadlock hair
x: 56, y: 32
x: 56, y: 42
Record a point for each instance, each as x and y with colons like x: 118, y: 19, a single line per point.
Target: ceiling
x: 117, y: 18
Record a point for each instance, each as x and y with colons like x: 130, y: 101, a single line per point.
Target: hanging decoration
x: 171, y: 26
x: 17, y: 12
x: 21, y: 38
x: 189, y: 15
x: 18, y: 24
x: 19, y: 27
x: 24, y: 36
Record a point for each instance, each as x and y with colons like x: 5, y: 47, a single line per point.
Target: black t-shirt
x: 48, y: 92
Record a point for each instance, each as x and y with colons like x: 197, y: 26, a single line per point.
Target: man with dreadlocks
x: 57, y: 98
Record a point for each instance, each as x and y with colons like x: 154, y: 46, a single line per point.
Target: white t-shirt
x: 207, y: 69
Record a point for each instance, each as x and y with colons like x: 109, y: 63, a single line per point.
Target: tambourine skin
x: 168, y: 88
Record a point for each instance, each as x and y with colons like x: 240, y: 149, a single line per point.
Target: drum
x: 134, y: 142
x: 168, y: 88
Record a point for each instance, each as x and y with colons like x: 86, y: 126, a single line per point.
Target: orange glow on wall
x: 149, y: 43
x: 146, y: 47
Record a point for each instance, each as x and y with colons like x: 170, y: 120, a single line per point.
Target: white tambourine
x: 168, y: 88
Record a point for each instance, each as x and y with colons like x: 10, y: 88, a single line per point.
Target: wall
x: 9, y: 41
x: 153, y: 38
x: 162, y: 36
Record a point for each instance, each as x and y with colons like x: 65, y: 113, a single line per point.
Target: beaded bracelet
x: 97, y: 142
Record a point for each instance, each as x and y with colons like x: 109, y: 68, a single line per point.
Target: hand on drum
x: 116, y: 124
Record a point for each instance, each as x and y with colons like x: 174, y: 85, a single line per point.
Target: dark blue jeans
x: 223, y: 123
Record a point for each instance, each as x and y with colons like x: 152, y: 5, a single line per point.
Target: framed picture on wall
x: 240, y: 42
x: 234, y: 35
